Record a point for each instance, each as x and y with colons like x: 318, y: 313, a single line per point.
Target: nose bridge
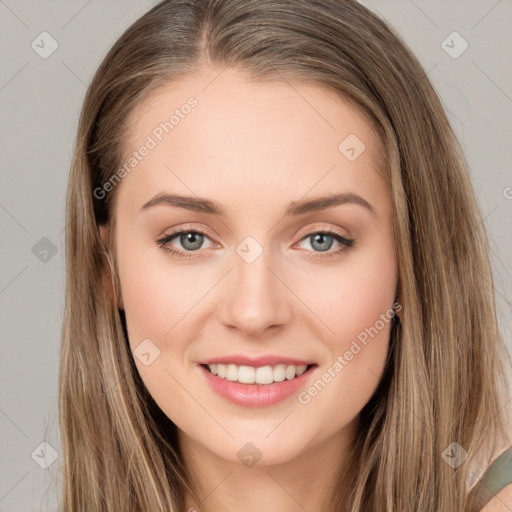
x: 256, y: 298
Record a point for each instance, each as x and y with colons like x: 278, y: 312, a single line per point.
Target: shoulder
x: 494, y: 489
x: 501, y: 502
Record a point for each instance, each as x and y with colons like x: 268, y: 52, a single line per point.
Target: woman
x: 279, y: 293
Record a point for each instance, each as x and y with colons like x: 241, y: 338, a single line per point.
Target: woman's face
x: 269, y: 272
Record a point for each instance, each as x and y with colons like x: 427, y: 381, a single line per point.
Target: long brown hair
x: 445, y: 377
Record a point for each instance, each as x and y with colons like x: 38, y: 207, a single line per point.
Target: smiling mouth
x: 261, y: 376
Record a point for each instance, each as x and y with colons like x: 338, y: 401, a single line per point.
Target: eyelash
x: 346, y: 243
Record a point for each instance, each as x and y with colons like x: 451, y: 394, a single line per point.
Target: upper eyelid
x: 180, y: 231
x: 302, y: 233
x: 319, y: 229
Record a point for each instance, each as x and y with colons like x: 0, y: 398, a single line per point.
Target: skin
x: 501, y: 502
x: 256, y: 148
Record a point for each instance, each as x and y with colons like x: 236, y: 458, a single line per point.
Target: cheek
x: 353, y: 295
x: 159, y: 300
x: 358, y: 307
x: 156, y: 293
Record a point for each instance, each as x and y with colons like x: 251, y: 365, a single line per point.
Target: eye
x: 190, y: 239
x: 322, y: 241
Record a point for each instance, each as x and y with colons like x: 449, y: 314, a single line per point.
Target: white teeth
x: 261, y: 375
x: 279, y: 372
x: 231, y: 372
x: 301, y: 369
x: 264, y: 375
x: 246, y: 374
x: 221, y: 370
x: 290, y: 372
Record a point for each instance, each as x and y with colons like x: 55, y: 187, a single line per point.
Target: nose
x: 255, y: 298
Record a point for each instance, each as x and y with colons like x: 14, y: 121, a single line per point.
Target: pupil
x: 323, y: 245
x: 192, y: 241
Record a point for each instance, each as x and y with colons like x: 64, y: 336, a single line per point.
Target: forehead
x: 240, y: 133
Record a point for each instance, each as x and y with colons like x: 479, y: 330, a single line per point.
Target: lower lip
x: 256, y: 395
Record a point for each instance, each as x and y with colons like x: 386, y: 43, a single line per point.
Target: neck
x: 305, y: 482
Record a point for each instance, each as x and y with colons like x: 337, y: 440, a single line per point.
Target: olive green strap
x: 497, y: 476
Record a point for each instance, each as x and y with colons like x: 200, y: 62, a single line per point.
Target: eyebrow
x: 300, y: 207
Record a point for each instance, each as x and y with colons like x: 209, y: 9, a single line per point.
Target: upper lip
x: 268, y: 360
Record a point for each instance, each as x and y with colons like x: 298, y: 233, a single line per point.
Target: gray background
x: 40, y: 100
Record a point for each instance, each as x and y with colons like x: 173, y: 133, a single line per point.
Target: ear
x: 106, y: 271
